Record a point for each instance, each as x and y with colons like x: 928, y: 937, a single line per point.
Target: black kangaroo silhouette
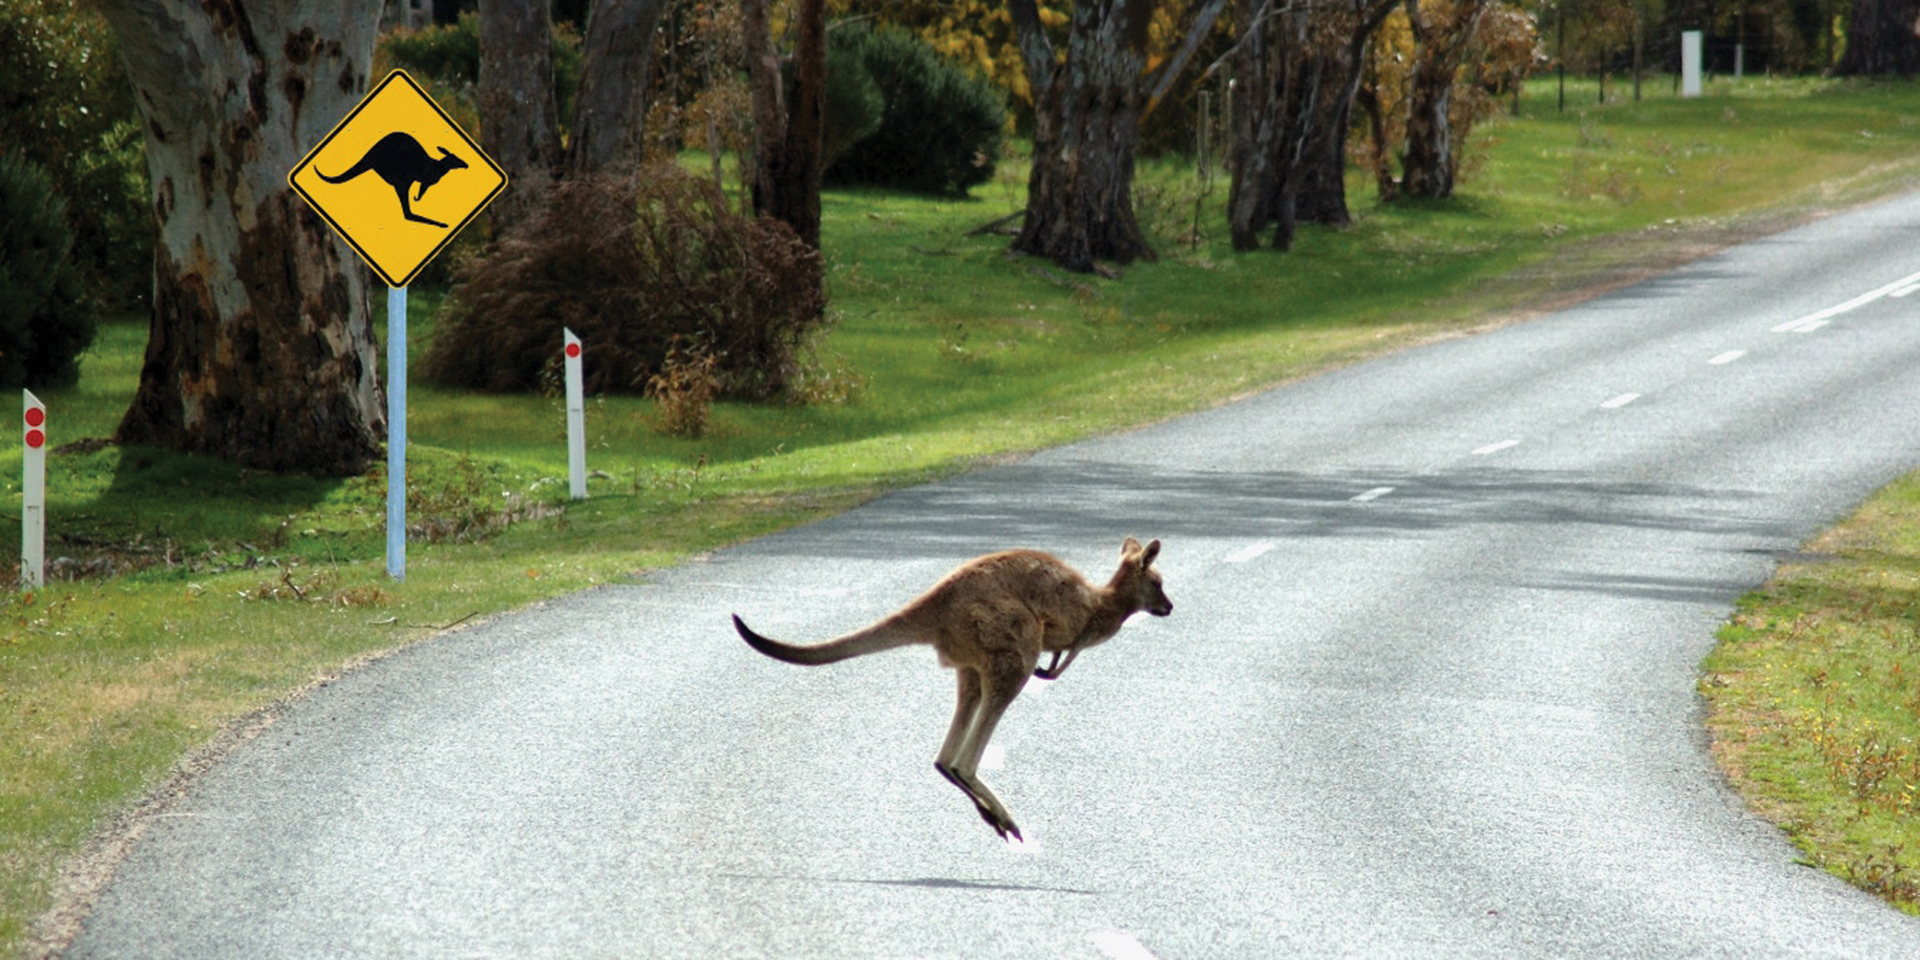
x: 400, y: 160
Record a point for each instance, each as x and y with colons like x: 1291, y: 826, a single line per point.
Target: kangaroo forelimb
x: 1054, y: 667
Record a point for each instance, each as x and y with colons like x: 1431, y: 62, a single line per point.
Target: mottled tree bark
x: 1087, y: 112
x: 261, y: 349
x: 519, y: 118
x: 1086, y: 131
x: 609, y: 112
x: 787, y: 131
x: 1440, y: 39
x: 1297, y: 71
x: 1883, y: 37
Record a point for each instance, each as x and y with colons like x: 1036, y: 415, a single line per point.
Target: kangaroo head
x: 1138, y: 581
x: 449, y: 161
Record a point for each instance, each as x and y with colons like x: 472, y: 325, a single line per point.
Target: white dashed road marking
x: 1118, y: 945
x: 1728, y: 357
x: 1495, y: 447
x: 1372, y: 495
x: 1620, y: 401
x: 1248, y: 553
x: 1814, y: 321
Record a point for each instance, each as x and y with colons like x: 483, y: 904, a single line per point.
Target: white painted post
x: 1690, y: 63
x: 33, y: 492
x: 576, y: 419
x: 397, y: 432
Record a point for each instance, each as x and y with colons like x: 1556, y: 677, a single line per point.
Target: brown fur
x: 990, y: 620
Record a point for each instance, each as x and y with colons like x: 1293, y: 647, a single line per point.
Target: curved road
x: 1428, y: 690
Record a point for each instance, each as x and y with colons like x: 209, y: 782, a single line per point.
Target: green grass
x: 235, y: 589
x: 1815, y: 696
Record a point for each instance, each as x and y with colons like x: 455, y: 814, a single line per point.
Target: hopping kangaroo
x: 990, y: 620
x: 402, y: 162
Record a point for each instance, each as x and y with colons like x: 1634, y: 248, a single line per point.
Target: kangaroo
x: 990, y: 619
x: 402, y: 162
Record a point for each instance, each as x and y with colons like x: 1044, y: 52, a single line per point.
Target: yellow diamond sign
x: 398, y: 179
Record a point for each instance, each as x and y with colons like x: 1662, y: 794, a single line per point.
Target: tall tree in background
x: 261, y: 349
x: 1297, y: 70
x: 787, y: 131
x: 1087, y: 110
x: 1442, y: 32
x: 609, y: 112
x: 519, y: 118
x: 1883, y: 37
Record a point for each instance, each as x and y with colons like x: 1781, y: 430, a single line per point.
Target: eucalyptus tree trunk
x: 519, y: 118
x: 261, y: 349
x: 1297, y: 71
x: 787, y: 131
x: 1086, y: 131
x: 1441, y: 35
x: 1883, y: 37
x: 610, y: 111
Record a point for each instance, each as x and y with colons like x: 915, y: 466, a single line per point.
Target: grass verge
x: 1814, y: 692
x: 193, y: 593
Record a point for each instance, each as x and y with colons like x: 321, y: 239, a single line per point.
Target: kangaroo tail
x: 353, y: 171
x: 884, y: 635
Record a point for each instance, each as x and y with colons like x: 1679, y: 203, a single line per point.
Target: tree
x: 1881, y: 39
x: 1297, y: 70
x: 1442, y: 30
x: 787, y: 135
x: 519, y: 115
x: 1087, y: 111
x: 261, y: 347
x: 609, y: 113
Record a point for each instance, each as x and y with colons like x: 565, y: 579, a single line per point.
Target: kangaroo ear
x: 1146, y: 556
x: 1129, y: 549
x: 444, y: 152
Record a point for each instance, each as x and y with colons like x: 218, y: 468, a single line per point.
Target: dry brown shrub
x: 633, y: 267
x: 682, y: 392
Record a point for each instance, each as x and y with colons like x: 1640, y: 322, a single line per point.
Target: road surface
x: 1428, y: 690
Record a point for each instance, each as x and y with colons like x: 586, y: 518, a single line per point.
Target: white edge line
x: 1372, y: 495
x: 1248, y: 553
x: 1814, y: 321
x: 1119, y: 945
x: 1495, y: 447
x: 1620, y: 401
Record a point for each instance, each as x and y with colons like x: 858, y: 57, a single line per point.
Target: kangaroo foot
x: 984, y: 802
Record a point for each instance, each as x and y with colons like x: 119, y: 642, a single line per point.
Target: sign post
x: 397, y: 432
x: 409, y: 146
x: 576, y: 419
x: 33, y: 492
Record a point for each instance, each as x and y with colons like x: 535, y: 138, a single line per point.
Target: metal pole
x: 397, y: 432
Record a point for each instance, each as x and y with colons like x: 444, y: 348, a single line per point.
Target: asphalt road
x: 1428, y: 690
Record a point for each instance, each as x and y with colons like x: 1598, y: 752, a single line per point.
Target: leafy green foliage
x: 447, y: 59
x: 66, y: 106
x: 46, y: 316
x: 941, y: 127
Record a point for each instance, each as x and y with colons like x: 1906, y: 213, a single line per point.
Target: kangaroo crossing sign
x: 397, y: 179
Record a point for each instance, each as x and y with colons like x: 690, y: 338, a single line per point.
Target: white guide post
x: 576, y: 419
x: 397, y: 432
x: 1690, y: 63
x: 33, y: 488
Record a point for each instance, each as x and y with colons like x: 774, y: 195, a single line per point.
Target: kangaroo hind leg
x: 991, y: 692
x: 966, y: 710
x: 406, y: 209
